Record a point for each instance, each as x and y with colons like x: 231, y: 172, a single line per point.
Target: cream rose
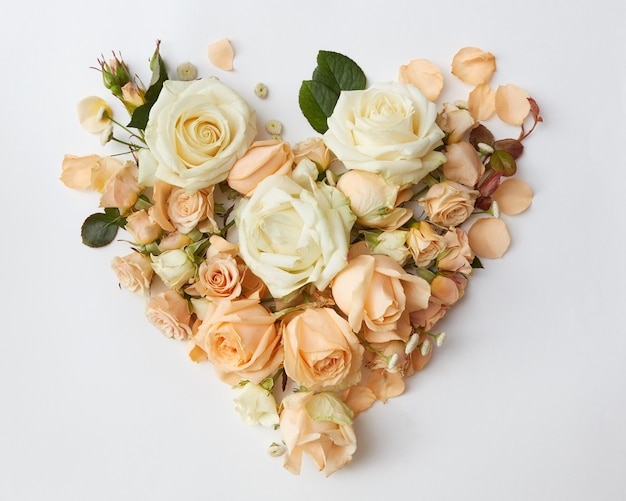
x: 321, y: 351
x: 320, y: 426
x: 240, y: 340
x: 134, y: 271
x: 169, y: 312
x: 448, y: 203
x: 388, y: 128
x: 256, y: 405
x: 174, y: 267
x: 378, y: 295
x: 263, y: 159
x: 195, y: 133
x: 290, y: 236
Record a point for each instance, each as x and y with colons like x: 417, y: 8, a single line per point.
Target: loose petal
x: 425, y: 75
x: 482, y: 102
x: 512, y: 104
x: 221, y: 54
x: 473, y: 66
x: 489, y: 237
x: 513, y: 196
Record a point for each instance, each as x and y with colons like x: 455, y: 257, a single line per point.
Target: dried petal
x: 482, y: 102
x: 512, y: 104
x: 489, y: 237
x: 221, y: 54
x: 424, y: 75
x: 93, y: 114
x: 473, y: 66
x: 513, y: 196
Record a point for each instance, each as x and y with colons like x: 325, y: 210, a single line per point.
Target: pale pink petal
x: 385, y: 384
x: 513, y: 196
x: 221, y: 54
x: 424, y: 75
x: 359, y: 398
x: 77, y: 171
x: 512, y: 104
x: 489, y: 237
x: 482, y: 102
x: 473, y: 66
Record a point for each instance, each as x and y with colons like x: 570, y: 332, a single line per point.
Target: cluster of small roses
x: 324, y: 265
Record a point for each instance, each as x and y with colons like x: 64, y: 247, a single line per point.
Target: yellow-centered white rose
x: 290, y: 236
x: 195, y: 133
x: 388, y: 128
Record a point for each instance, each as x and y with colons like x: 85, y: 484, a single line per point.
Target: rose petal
x: 482, y: 102
x: 513, y: 196
x: 359, y: 398
x: 489, y: 237
x: 385, y: 384
x: 512, y: 104
x: 425, y: 75
x: 221, y: 54
x: 473, y: 66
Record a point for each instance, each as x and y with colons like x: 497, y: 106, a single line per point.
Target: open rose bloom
x: 312, y: 277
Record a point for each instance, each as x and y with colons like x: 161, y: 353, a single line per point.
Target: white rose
x: 256, y: 405
x: 174, y: 268
x: 388, y: 128
x: 290, y: 236
x: 196, y: 131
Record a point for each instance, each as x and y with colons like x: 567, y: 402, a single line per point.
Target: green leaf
x: 317, y: 102
x: 100, y: 229
x: 334, y: 73
x: 338, y: 72
x: 502, y: 161
x: 476, y: 263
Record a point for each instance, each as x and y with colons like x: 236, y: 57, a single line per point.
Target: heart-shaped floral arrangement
x: 311, y: 276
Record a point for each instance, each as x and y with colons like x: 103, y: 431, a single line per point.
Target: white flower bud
x: 440, y: 339
x: 425, y: 347
x: 411, y: 344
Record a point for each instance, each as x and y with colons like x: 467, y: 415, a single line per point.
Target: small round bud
x: 186, y: 72
x: 440, y: 339
x: 411, y: 344
x: 485, y: 149
x: 275, y: 450
x: 393, y: 362
x: 260, y: 90
x: 494, y: 209
x: 274, y: 127
x: 425, y: 347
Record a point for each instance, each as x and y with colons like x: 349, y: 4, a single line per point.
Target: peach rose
x: 122, y: 189
x: 377, y: 295
x: 424, y: 243
x: 313, y: 149
x: 174, y: 240
x: 240, y: 340
x: 142, y: 227
x: 177, y: 209
x: 448, y: 203
x: 320, y: 426
x: 463, y: 165
x: 134, y: 271
x: 321, y: 351
x: 444, y: 292
x: 458, y: 255
x: 219, y: 277
x: 262, y: 159
x: 373, y: 200
x: 455, y: 121
x: 170, y: 313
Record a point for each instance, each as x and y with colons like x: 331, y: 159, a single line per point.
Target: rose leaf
x: 338, y: 72
x: 100, y: 229
x: 317, y: 102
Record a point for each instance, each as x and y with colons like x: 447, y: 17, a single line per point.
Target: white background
x: 527, y: 400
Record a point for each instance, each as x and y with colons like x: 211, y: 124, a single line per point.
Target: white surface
x: 526, y: 401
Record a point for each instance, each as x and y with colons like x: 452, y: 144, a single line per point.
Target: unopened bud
x: 425, y: 347
x: 440, y: 339
x: 393, y: 362
x: 275, y: 450
x: 411, y: 344
x: 485, y: 149
x: 274, y: 127
x: 260, y: 90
